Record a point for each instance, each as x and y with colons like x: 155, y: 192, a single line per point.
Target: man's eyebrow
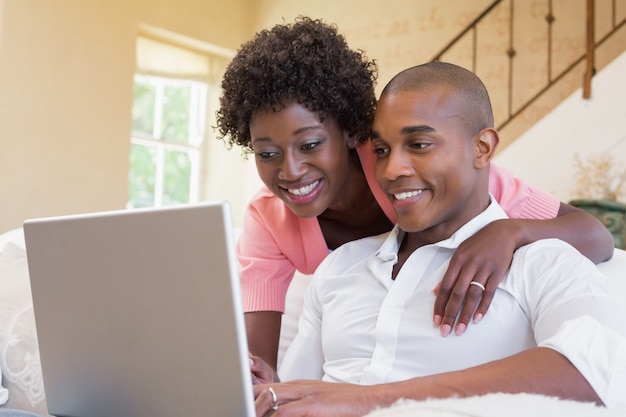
x: 407, y: 130
x: 417, y: 129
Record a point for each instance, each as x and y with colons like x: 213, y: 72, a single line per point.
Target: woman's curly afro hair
x: 307, y: 62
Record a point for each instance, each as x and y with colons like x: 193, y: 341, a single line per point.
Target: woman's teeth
x: 303, y: 190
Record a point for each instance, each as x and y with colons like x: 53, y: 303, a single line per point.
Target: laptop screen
x: 138, y: 313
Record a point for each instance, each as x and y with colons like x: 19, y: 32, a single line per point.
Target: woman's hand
x: 262, y: 373
x: 483, y: 259
x: 313, y: 399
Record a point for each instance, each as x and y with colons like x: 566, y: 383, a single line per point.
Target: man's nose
x: 397, y: 164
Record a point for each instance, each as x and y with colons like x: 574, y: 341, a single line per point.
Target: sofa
x: 21, y: 384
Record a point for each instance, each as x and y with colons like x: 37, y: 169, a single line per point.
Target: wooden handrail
x: 590, y: 55
x: 469, y: 27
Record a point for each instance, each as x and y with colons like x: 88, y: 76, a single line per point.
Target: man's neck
x: 412, y: 241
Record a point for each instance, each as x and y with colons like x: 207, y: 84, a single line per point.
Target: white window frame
x: 197, y: 129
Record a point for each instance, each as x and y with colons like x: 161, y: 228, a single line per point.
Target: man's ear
x: 486, y: 143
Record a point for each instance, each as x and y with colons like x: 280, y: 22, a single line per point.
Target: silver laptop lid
x: 138, y: 313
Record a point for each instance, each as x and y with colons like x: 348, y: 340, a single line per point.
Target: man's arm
x: 537, y: 370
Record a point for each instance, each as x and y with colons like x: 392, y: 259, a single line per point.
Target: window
x: 167, y: 142
x: 168, y: 131
x: 175, y: 156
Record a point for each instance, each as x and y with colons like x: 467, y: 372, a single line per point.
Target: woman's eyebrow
x: 305, y: 128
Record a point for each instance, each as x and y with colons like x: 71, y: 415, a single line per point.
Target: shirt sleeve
x: 573, y: 312
x: 519, y: 199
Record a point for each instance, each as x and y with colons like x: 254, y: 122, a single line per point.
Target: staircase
x: 523, y: 51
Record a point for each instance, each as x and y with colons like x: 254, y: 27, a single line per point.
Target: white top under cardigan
x: 360, y: 326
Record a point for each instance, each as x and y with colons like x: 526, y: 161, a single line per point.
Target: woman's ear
x: 485, y: 147
x: 351, y: 140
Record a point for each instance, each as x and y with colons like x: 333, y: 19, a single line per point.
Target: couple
x: 363, y: 338
x: 553, y: 329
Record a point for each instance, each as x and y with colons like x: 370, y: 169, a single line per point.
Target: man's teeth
x: 303, y: 190
x: 404, y: 196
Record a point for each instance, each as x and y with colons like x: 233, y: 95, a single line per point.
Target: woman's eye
x: 309, y: 146
x: 266, y: 154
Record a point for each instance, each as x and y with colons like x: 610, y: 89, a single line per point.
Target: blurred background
x: 108, y: 104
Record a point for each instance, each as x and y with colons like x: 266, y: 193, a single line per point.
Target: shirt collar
x: 389, y: 248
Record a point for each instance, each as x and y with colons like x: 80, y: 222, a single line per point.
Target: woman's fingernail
x: 478, y: 317
x: 460, y: 328
x: 437, y: 320
x: 445, y: 330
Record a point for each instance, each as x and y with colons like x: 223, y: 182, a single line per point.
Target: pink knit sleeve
x: 273, y: 243
x: 518, y: 199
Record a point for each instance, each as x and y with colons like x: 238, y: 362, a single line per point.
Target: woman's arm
x: 537, y: 370
x: 263, y: 331
x: 578, y: 228
x: 486, y: 256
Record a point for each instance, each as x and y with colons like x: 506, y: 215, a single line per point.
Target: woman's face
x: 303, y: 161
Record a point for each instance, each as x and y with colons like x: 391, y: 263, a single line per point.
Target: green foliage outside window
x: 160, y: 172
x: 142, y: 175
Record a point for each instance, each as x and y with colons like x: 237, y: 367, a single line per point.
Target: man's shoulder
x: 552, y: 254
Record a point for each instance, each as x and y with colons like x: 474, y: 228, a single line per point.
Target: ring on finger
x: 478, y: 284
x: 274, y: 399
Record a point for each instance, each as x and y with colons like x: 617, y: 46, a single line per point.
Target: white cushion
x: 19, y: 352
x: 615, y: 269
x: 15, y: 236
x: 494, y: 405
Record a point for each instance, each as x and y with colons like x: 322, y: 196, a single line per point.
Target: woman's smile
x: 303, y: 160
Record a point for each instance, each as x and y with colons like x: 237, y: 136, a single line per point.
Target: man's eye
x: 381, y: 151
x: 419, y: 145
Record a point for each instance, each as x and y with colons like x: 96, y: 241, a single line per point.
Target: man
x: 553, y: 329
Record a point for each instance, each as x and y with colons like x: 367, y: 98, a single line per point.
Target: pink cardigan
x: 274, y: 242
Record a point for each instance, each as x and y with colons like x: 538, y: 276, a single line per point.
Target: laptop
x: 138, y: 313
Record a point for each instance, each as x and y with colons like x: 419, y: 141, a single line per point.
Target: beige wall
x: 66, y: 69
x: 397, y: 33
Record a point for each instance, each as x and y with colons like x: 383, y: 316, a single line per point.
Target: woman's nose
x: 291, y: 168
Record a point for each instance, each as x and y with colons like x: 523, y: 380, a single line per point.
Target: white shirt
x: 360, y: 326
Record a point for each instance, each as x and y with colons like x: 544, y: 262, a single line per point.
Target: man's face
x: 425, y: 161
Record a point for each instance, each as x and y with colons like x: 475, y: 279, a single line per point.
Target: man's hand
x: 314, y: 399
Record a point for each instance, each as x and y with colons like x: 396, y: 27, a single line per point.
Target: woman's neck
x: 357, y: 215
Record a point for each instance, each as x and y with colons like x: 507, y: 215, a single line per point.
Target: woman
x: 302, y: 101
